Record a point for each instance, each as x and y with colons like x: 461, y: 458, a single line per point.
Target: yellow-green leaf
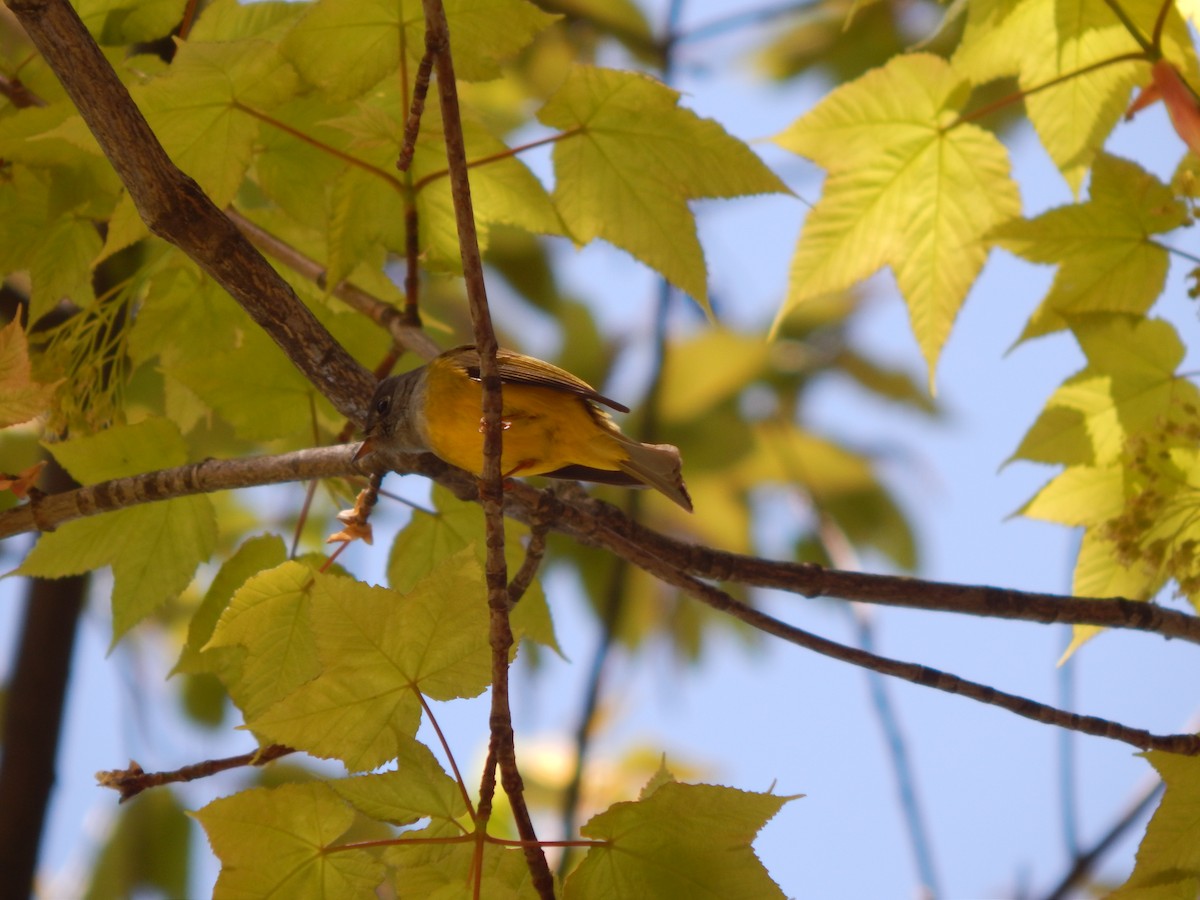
x: 1041, y: 41
x: 1107, y: 261
x: 276, y: 843
x: 153, y: 548
x: 256, y: 555
x: 417, y: 788
x: 1081, y: 495
x: 903, y: 189
x: 633, y: 160
x: 678, y: 840
x: 428, y: 540
x: 270, y: 618
x: 379, y: 648
x: 1127, y: 387
x: 346, y: 46
x: 1168, y: 860
x: 202, y: 111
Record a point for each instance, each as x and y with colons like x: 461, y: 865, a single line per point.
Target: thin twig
x: 437, y: 37
x: 533, y: 560
x: 404, y: 332
x: 412, y: 125
x: 132, y: 781
x: 1084, y: 863
x: 1186, y: 744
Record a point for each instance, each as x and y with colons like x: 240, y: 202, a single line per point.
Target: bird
x: 551, y: 421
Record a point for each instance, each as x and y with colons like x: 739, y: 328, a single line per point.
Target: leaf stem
x: 299, y: 135
x: 462, y: 787
x: 1016, y: 96
x: 1150, y: 50
x: 507, y: 153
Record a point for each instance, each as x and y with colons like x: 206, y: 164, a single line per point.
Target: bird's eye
x: 382, y: 405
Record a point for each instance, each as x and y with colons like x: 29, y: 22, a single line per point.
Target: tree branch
x: 599, y: 524
x: 437, y: 38
x: 176, y: 209
x: 132, y: 781
x: 396, y: 323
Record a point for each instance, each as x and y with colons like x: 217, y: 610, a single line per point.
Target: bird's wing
x: 518, y: 369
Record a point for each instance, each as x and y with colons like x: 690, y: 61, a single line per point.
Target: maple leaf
x: 276, y: 843
x: 903, y: 190
x: 1168, y: 859
x: 634, y: 160
x: 1041, y: 42
x: 356, y: 655
x: 1107, y: 260
x: 678, y: 840
x: 153, y: 548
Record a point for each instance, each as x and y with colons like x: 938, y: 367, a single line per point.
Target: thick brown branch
x: 175, y: 208
x: 46, y: 512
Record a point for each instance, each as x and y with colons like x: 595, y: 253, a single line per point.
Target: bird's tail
x: 658, y: 466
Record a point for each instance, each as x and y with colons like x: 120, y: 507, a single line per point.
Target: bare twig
x: 437, y: 37
x: 1083, y: 863
x: 412, y: 125
x: 132, y: 781
x: 397, y: 323
x: 533, y: 560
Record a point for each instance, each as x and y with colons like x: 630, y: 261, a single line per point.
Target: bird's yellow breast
x: 544, y: 429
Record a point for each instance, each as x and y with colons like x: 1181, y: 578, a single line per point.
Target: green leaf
x: 270, y: 617
x: 21, y: 398
x: 633, y: 160
x: 347, y: 46
x: 678, y: 840
x: 691, y: 384
x: 255, y: 555
x: 153, y: 548
x: 1168, y: 859
x: 1107, y: 261
x: 418, y: 788
x: 447, y: 871
x: 202, y: 111
x: 428, y: 540
x: 1040, y: 41
x: 906, y: 188
x: 277, y: 843
x: 379, y: 648
x: 1127, y: 387
x: 122, y: 451
x: 256, y: 389
x: 118, y: 22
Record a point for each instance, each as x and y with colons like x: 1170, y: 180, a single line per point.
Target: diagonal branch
x: 176, y: 209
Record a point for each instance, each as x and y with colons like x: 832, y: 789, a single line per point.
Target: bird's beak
x: 366, y: 448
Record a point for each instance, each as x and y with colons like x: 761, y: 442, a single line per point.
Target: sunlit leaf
x: 1103, y: 248
x: 276, y: 843
x: 633, y: 159
x: 678, y: 840
x: 906, y: 188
